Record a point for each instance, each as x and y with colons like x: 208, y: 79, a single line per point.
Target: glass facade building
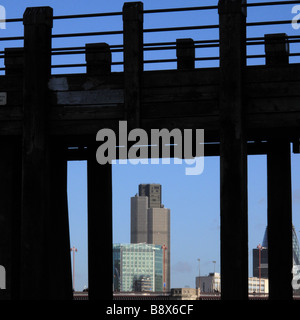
x: 264, y: 255
x: 137, y: 268
x: 296, y: 249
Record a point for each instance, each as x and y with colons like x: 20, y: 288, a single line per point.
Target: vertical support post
x: 99, y: 229
x: 14, y: 61
x: 185, y: 52
x: 10, y: 193
x: 58, y: 237
x: 277, y: 49
x: 133, y: 60
x: 280, y: 252
x: 99, y: 204
x: 233, y: 152
x: 35, y: 158
x: 10, y: 202
x: 98, y: 58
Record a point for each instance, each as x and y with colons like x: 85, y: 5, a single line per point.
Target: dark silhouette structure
x: 244, y: 110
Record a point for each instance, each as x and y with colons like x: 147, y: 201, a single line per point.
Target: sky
x: 193, y: 200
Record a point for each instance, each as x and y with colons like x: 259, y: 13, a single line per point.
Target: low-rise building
x: 212, y: 284
x: 184, y: 294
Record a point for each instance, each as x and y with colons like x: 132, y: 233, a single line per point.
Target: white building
x: 184, y: 294
x: 257, y: 285
x: 212, y: 284
x: 209, y: 284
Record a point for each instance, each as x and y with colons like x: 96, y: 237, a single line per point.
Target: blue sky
x: 193, y: 200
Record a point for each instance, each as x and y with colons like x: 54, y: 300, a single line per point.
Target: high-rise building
x: 139, y: 219
x: 153, y: 192
x: 150, y: 223
x: 264, y: 255
x: 296, y: 248
x: 137, y: 268
x: 262, y: 264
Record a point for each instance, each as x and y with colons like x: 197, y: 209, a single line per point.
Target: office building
x: 184, y: 294
x: 258, y: 285
x: 296, y: 248
x: 153, y: 192
x: 150, y: 223
x: 212, y: 284
x: 137, y: 268
x: 260, y: 259
x: 139, y: 220
x: 260, y: 262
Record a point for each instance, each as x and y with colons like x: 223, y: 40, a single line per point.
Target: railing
x: 68, y: 52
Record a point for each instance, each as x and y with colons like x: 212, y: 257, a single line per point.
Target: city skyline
x: 184, y: 266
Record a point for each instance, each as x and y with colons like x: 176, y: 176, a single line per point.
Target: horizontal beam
x: 82, y: 104
x: 210, y: 150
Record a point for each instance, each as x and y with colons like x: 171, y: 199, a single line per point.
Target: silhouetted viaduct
x: 243, y: 109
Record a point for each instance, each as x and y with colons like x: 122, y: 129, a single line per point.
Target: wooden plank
x: 210, y: 123
x: 14, y: 99
x: 10, y: 128
x: 271, y: 74
x: 167, y: 78
x: 184, y: 109
x: 103, y: 96
x: 86, y: 120
x: 256, y: 122
x: 74, y: 129
x: 10, y: 113
x: 278, y: 120
x: 83, y: 82
x: 170, y: 94
x: 89, y: 112
x: 257, y: 76
x: 11, y: 83
x: 210, y: 150
x: 180, y: 78
x: 283, y: 105
x: 273, y: 89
